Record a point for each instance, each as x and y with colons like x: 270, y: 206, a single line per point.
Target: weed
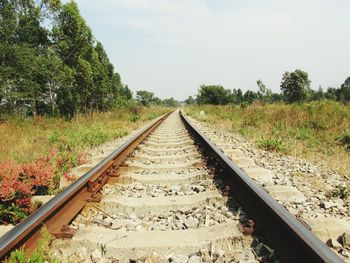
x: 45, y: 149
x: 271, y: 145
x: 310, y: 130
x: 345, y: 139
x: 40, y: 255
x: 341, y: 191
x: 134, y: 117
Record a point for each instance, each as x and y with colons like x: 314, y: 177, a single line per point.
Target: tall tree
x: 344, y: 91
x: 74, y: 43
x: 146, y: 98
x: 295, y: 86
x: 214, y: 94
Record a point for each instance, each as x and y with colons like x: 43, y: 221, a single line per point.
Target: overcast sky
x: 171, y: 47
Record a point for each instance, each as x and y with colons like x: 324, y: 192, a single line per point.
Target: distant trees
x: 264, y: 94
x: 295, y: 86
x: 344, y: 91
x: 50, y: 62
x: 190, y: 100
x: 171, y: 102
x: 147, y: 98
x: 213, y: 94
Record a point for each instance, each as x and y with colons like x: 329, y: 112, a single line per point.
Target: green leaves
x: 295, y: 86
x: 51, y: 63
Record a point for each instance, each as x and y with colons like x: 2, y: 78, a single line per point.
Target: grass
x: 26, y: 139
x: 36, y: 153
x: 41, y: 254
x: 316, y: 131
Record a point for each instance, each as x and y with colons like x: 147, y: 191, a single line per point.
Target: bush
x: 345, y: 139
x: 134, y: 117
x: 15, y: 193
x: 271, y: 145
x: 342, y: 192
x: 18, y: 183
x: 40, y: 255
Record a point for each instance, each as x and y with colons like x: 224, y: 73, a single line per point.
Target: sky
x: 171, y: 47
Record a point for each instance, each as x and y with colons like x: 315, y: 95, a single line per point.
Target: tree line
x: 50, y: 62
x: 147, y: 98
x: 295, y: 87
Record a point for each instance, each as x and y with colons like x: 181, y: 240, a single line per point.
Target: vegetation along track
x: 169, y: 195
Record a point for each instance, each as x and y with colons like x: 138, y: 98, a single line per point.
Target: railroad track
x: 168, y: 195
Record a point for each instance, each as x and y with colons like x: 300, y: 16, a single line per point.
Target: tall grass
x: 27, y: 139
x: 318, y: 131
x: 36, y: 153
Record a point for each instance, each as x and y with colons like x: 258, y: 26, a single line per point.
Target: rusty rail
x: 56, y: 214
x: 292, y: 241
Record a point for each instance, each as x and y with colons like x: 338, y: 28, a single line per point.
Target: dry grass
x: 26, y: 139
x: 316, y: 131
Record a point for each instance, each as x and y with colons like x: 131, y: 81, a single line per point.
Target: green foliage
x: 40, y: 255
x: 170, y: 102
x: 271, y: 145
x: 342, y: 191
x: 295, y: 86
x: 134, y: 117
x: 345, y: 139
x: 51, y: 63
x: 343, y: 93
x: 146, y: 98
x: 317, y: 130
x: 11, y: 213
x: 216, y: 95
x: 190, y: 100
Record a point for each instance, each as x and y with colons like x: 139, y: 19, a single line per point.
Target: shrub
x: 345, y: 139
x: 15, y: 193
x: 271, y: 145
x: 19, y: 182
x: 40, y: 255
x: 134, y: 117
x: 341, y: 191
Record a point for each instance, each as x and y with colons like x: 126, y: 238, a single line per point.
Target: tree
x: 190, y: 100
x: 250, y: 96
x: 295, y: 86
x: 237, y: 96
x: 50, y: 63
x: 214, y: 94
x: 171, y: 102
x: 344, y: 91
x: 317, y: 95
x: 146, y: 98
x: 264, y: 93
x: 125, y: 92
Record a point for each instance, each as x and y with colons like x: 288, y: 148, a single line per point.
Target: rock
x: 286, y: 193
x: 224, y: 209
x: 333, y: 243
x: 191, y: 222
x: 229, y: 214
x: 344, y: 239
x: 195, y: 259
x: 326, y: 205
x: 220, y: 252
x: 82, y: 253
x: 178, y: 259
x: 220, y: 260
x: 152, y: 259
x: 96, y: 255
x: 141, y: 254
x: 246, y: 256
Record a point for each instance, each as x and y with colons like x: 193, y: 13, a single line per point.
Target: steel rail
x: 62, y: 209
x: 292, y: 241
